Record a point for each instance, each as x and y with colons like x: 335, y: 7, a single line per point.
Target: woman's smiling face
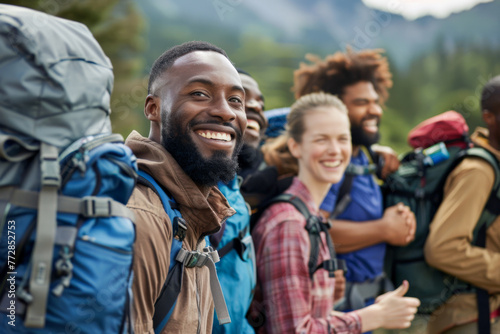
x: 325, y: 148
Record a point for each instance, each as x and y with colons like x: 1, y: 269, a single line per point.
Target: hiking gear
x: 421, y: 188
x: 286, y: 299
x: 276, y: 119
x: 64, y: 181
x: 59, y: 257
x: 236, y: 269
x: 357, y: 294
x: 180, y: 258
x: 366, y: 204
x: 314, y: 227
x: 449, y: 127
x: 344, y: 195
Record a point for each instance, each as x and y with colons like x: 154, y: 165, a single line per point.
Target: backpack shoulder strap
x: 180, y: 259
x: 489, y: 214
x: 165, y: 303
x: 492, y: 207
x: 236, y: 243
x: 313, y: 226
x: 490, y: 158
x: 344, y: 195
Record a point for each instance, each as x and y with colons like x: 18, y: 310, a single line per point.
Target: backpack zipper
x: 90, y: 240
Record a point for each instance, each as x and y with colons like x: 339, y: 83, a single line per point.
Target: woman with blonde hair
x: 317, y: 149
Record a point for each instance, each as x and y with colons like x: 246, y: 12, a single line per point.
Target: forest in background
x: 447, y: 76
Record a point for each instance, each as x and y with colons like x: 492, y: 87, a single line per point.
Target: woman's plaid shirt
x: 287, y: 300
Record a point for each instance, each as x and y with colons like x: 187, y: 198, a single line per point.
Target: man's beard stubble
x: 360, y: 138
x: 203, y: 171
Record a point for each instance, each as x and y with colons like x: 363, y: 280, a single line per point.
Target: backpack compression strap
x: 41, y: 262
x: 313, y: 226
x: 180, y: 259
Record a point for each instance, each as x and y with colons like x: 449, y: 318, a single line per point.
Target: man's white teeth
x: 371, y: 123
x: 216, y: 135
x: 253, y: 124
x: 332, y: 163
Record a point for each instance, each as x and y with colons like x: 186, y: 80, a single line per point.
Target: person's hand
x: 391, y: 161
x: 339, y: 285
x: 397, y: 311
x: 399, y: 224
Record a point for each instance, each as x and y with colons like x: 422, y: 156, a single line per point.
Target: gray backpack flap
x: 55, y: 87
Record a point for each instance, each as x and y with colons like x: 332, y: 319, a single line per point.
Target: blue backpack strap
x: 165, y: 303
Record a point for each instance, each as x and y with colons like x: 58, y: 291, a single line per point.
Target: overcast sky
x: 413, y: 9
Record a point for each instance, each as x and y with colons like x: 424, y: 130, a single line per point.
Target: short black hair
x: 168, y: 57
x: 490, y: 97
x: 240, y: 71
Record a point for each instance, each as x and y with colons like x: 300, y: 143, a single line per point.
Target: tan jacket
x: 203, y: 212
x: 448, y: 246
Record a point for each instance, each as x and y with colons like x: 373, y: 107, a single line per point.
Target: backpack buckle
x: 312, y: 225
x: 96, y: 206
x: 180, y: 228
x: 192, y: 259
x: 330, y: 266
x: 49, y: 166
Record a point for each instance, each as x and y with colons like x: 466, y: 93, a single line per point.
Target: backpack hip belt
x: 358, y: 292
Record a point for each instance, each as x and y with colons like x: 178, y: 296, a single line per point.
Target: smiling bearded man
x: 195, y: 104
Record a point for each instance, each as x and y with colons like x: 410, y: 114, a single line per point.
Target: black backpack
x: 420, y: 186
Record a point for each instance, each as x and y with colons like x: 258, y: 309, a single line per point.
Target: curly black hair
x: 339, y: 70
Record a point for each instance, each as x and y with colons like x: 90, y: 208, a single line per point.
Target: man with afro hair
x: 362, y: 228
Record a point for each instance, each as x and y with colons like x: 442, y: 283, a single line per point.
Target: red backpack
x: 449, y: 127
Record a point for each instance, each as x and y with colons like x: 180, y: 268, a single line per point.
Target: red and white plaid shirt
x: 287, y: 300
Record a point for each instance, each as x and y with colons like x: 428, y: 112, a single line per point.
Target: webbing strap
x: 483, y: 300
x: 208, y: 258
x: 217, y: 295
x: 14, y: 149
x: 88, y: 206
x: 237, y: 244
x: 344, y: 196
x: 353, y: 169
x: 45, y: 237
x: 315, y: 239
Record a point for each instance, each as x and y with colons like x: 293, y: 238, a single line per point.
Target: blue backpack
x: 236, y: 268
x: 181, y: 259
x: 66, y: 235
x: 87, y: 234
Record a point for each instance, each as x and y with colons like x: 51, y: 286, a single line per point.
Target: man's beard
x: 203, y: 171
x: 360, y: 138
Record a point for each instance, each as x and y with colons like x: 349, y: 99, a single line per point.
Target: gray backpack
x: 66, y: 236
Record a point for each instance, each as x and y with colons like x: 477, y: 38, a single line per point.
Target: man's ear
x: 488, y: 117
x: 152, y: 108
x: 294, y: 148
